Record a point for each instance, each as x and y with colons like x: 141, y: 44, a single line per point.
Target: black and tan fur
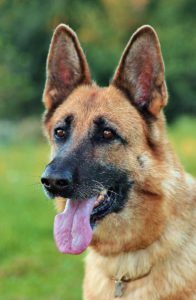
x: 152, y: 236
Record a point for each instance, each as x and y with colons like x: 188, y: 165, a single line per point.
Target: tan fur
x: 155, y: 232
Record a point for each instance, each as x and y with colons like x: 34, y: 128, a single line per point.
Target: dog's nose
x: 59, y: 183
x: 56, y: 182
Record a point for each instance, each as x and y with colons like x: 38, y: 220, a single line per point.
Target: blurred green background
x: 30, y: 266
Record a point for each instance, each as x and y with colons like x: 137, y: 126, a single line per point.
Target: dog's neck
x: 121, y: 282
x: 120, y: 271
x: 123, y: 267
x: 137, y: 264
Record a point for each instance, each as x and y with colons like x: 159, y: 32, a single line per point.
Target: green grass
x: 183, y: 137
x: 30, y: 265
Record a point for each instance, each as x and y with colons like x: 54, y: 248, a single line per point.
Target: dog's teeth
x: 100, y: 198
x: 104, y: 192
x: 96, y: 203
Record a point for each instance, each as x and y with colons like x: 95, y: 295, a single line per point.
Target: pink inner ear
x: 65, y: 75
x: 63, y: 70
x: 143, y: 87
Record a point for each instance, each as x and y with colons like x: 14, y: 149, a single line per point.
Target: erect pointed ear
x: 141, y: 72
x: 66, y: 67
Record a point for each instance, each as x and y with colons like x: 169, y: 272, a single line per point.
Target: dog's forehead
x: 87, y: 103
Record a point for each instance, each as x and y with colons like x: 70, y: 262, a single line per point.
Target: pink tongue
x: 72, y: 230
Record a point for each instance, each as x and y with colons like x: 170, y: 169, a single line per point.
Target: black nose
x: 57, y: 182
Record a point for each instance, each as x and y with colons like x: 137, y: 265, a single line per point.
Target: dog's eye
x: 108, y: 134
x: 60, y: 133
x: 105, y: 135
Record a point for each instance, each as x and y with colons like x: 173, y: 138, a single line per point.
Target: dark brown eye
x: 108, y: 134
x: 60, y: 133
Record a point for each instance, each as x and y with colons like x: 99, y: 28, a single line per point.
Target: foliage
x: 31, y: 267
x: 174, y: 22
x: 103, y: 26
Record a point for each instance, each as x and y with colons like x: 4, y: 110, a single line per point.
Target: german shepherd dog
x: 121, y: 189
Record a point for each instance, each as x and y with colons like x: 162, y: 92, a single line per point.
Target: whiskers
x: 113, y: 192
x: 100, y: 187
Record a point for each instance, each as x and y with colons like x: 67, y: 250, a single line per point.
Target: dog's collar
x: 120, y: 283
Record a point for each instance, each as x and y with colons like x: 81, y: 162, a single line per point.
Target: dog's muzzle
x: 57, y: 182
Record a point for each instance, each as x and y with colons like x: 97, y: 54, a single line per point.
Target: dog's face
x: 107, y: 145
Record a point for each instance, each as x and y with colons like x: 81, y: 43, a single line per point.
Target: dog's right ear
x: 66, y: 67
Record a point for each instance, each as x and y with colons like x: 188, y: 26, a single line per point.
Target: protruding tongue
x: 72, y: 230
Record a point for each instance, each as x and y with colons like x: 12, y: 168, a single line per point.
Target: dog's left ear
x: 66, y: 67
x: 140, y: 73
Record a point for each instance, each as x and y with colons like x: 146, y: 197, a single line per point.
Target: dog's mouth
x: 105, y: 204
x: 73, y: 229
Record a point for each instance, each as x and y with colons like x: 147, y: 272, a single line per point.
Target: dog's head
x: 108, y: 144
